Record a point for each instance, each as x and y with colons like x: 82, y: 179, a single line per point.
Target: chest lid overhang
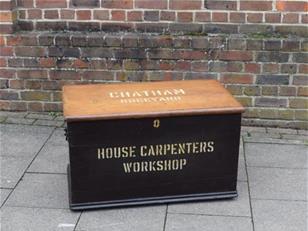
x: 150, y: 99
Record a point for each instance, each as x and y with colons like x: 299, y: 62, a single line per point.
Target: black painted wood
x: 95, y: 183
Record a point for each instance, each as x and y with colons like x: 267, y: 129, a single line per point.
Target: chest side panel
x: 153, y: 157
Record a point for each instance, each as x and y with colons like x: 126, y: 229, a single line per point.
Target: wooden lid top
x: 152, y: 99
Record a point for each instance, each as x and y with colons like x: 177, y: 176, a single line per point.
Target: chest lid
x: 152, y: 99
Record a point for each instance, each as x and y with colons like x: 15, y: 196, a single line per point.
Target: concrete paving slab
x: 241, y: 173
x: 54, y: 157
x: 60, y: 118
x: 41, y: 191
x: 52, y: 123
x: 4, y: 193
x: 234, y: 207
x: 40, y: 116
x: 271, y: 140
x: 13, y: 120
x: 12, y: 169
x: 37, y: 219
x: 253, y: 129
x: 276, y: 155
x: 264, y: 135
x: 183, y: 222
x: 279, y: 215
x: 22, y: 140
x: 282, y: 130
x: 303, y: 132
x: 295, y: 137
x: 134, y: 219
x: 13, y: 114
x: 2, y: 119
x: 278, y: 183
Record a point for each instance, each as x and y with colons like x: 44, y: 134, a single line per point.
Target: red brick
x: 84, y: 3
x: 182, y: 65
x: 162, y: 41
x: 302, y: 91
x: 32, y: 74
x: 292, y: 6
x: 290, y: 18
x: 101, y: 14
x: 6, y: 16
x: 6, y: 5
x: 237, y: 17
x: 134, y: 16
x: 151, y: 15
x: 199, y: 66
x: 16, y: 84
x: 273, y: 17
x: 166, y: 65
x: 2, y: 62
x: 8, y: 94
x: 13, y: 40
x: 118, y: 15
x: 51, y: 3
x: 51, y: 85
x: 236, y: 55
x: 2, y: 41
x: 256, y: 5
x: 303, y: 68
x: 35, y: 95
x: 150, y: 4
x: 98, y: 75
x: 51, y: 14
x: 167, y: 16
x: 13, y: 105
x: 25, y: 3
x: 6, y: 28
x: 117, y: 4
x: 7, y: 73
x: 81, y: 64
x: 64, y: 75
x: 219, y: 17
x: 203, y: 16
x: 35, y: 106
x: 67, y: 14
x: 6, y: 51
x: 30, y: 51
x: 220, y: 5
x: 234, y: 67
x: 53, y: 107
x: 189, y: 54
x: 185, y: 5
x: 251, y: 17
x: 237, y: 78
x: 185, y: 16
x: 83, y: 14
x: 33, y: 84
x: 287, y: 91
x: 47, y: 62
x: 270, y: 68
x: 252, y: 68
x: 34, y: 14
x: 305, y: 18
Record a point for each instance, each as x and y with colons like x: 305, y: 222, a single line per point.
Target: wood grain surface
x: 151, y: 99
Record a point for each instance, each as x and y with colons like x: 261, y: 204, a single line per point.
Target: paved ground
x: 272, y: 185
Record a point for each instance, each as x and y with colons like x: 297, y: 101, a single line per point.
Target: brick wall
x: 168, y: 16
x: 257, y: 49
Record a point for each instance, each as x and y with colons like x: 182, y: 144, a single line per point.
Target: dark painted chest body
x: 151, y: 143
